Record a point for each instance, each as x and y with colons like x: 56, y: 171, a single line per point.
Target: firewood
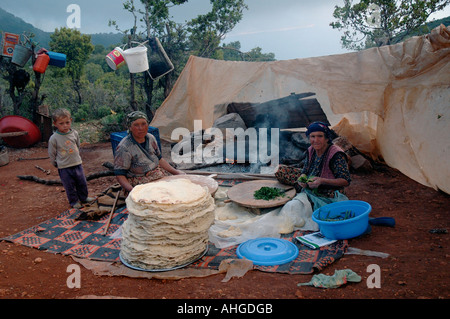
x: 58, y: 181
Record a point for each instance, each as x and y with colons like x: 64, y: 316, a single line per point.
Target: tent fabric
x: 391, y: 102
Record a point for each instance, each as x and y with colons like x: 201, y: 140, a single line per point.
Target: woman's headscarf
x: 135, y: 115
x: 319, y: 127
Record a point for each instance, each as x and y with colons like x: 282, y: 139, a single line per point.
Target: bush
x: 102, y: 112
x: 82, y: 114
x: 113, y: 123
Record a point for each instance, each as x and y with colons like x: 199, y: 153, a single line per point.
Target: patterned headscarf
x: 319, y: 127
x: 135, y: 115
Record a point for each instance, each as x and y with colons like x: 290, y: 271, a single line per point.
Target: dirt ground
x: 417, y: 266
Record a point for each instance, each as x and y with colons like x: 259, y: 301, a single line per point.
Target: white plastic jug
x: 136, y: 59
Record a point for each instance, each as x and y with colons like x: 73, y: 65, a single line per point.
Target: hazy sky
x: 289, y: 28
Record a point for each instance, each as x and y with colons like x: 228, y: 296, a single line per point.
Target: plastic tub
x: 15, y: 123
x: 116, y: 137
x: 57, y: 59
x: 136, y: 59
x: 343, y: 229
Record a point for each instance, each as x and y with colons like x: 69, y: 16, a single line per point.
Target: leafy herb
x: 268, y: 193
x: 305, y: 180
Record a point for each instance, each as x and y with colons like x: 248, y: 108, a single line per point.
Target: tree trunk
x: 35, y: 101
x: 77, y: 88
x: 16, y: 99
x: 133, y: 103
x: 148, y: 87
x: 1, y: 105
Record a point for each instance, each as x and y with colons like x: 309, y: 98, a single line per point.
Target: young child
x: 63, y: 149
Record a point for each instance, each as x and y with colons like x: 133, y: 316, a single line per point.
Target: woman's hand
x: 316, y: 182
x: 302, y: 180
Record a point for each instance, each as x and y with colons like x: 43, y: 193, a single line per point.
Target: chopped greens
x: 268, y: 193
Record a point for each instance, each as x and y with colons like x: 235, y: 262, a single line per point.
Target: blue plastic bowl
x: 343, y: 229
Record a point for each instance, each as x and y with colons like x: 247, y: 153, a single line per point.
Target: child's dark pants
x: 74, y: 182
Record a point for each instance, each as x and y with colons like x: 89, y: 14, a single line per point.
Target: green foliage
x: 82, y: 113
x: 76, y: 46
x: 99, y: 97
x: 370, y: 23
x: 232, y: 52
x: 113, y: 123
x: 206, y: 31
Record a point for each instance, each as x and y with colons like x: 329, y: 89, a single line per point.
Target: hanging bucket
x: 41, y: 63
x: 57, y: 59
x: 160, y: 63
x: 136, y: 59
x: 115, y: 59
x: 21, y: 55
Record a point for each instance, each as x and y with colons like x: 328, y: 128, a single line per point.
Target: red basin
x: 15, y: 123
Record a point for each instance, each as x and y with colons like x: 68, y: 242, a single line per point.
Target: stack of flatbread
x: 168, y: 224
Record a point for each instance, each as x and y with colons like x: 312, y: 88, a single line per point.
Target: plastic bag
x: 244, y: 227
x: 319, y: 201
x: 296, y: 214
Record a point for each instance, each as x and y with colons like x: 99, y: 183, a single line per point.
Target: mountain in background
x: 13, y: 24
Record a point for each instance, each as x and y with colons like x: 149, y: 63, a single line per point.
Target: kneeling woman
x: 138, y: 159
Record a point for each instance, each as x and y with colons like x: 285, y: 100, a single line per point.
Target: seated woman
x: 325, y: 167
x: 322, y: 179
x: 138, y: 159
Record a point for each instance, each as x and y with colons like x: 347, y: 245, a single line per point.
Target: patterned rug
x: 66, y: 235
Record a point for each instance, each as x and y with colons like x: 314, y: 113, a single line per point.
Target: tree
x: 78, y: 48
x: 206, y: 31
x: 232, y: 52
x: 200, y: 36
x: 155, y: 16
x: 370, y: 23
x: 18, y: 79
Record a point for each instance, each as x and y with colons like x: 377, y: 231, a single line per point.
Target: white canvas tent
x: 391, y: 102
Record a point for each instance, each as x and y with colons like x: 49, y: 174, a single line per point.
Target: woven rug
x: 66, y: 235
